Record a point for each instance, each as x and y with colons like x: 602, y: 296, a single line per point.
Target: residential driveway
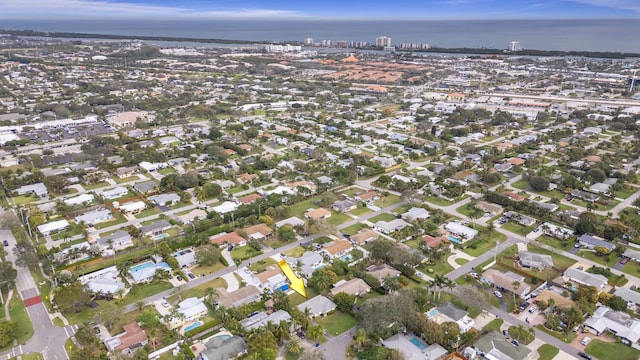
x: 458, y: 255
x: 618, y: 266
x: 232, y: 281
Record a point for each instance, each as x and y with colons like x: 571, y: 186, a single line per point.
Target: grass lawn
x: 95, y: 186
x: 485, y: 243
x: 521, y: 184
x: 360, y: 211
x: 382, y: 217
x: 300, y: 208
x: 494, y: 325
x: 23, y: 199
x: 351, y: 191
x: 625, y: 192
x: 201, y: 290
x: 568, y: 338
x: 461, y: 261
x: 547, y: 352
x: 19, y: 315
x: 167, y: 171
x: 441, y: 267
x: 353, y: 229
x: 72, y: 231
x: 336, y: 323
x: 124, y: 180
x: 338, y: 218
x: 244, y: 252
x: 260, y: 266
x: 275, y: 242
x: 30, y: 356
x: 556, y: 243
x: 148, y: 212
x: 442, y: 202
x: 631, y: 268
x: 387, y: 201
x: 466, y: 280
x: 202, y: 270
x: 604, y: 351
x: 142, y: 291
x: 117, y: 219
x: 295, y: 252
x: 608, y: 260
x: 296, y: 299
x: 517, y: 228
x: 465, y: 209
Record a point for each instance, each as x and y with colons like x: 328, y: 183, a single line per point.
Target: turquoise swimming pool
x: 453, y: 239
x: 193, y: 326
x: 418, y: 343
x: 141, y: 266
x: 432, y: 313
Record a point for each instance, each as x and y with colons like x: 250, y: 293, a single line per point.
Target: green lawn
x: 260, y: 266
x: 95, y: 186
x: 338, y: 218
x: 148, y: 212
x: 19, y: 315
x: 167, y: 171
x: 382, y: 217
x: 353, y: 229
x: 336, y: 323
x: 465, y: 209
x: 360, y: 211
x: 23, y: 199
x: 521, y: 184
x: 610, y: 351
x: 483, y: 244
x: 625, y: 192
x: 442, y: 202
x: 461, y: 261
x: 547, y: 352
x: 72, y: 231
x: 517, y: 228
x: 203, y: 270
x: 386, y: 201
x: 568, y: 337
x: 296, y: 299
x: 494, y: 325
x: 608, y: 260
x: 556, y: 243
x: 30, y: 356
x: 632, y: 268
x: 244, y: 252
x: 142, y: 291
x: 300, y: 208
x: 295, y: 252
x: 124, y: 180
x: 201, y: 290
x: 117, y: 219
x: 441, y: 267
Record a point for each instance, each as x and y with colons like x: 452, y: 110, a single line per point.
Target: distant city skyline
x: 330, y: 9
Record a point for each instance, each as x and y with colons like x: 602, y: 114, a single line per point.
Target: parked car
x: 585, y: 356
x: 191, y: 276
x: 165, y: 303
x: 624, y: 260
x: 179, y: 278
x: 5, y: 243
x: 515, y: 342
x: 523, y: 306
x: 474, y: 274
x: 585, y: 341
x: 498, y: 294
x: 532, y: 309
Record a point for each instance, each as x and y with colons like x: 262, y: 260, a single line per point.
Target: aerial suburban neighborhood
x: 162, y: 201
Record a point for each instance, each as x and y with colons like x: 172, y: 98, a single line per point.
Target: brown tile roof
x: 433, y: 242
x: 338, y: 246
x: 232, y: 238
x: 355, y: 286
x: 367, y: 195
x: 317, y: 213
x: 514, y: 196
x: 363, y: 236
x: 259, y: 229
x: 133, y: 335
x: 249, y: 198
x: 516, y: 161
x: 269, y: 272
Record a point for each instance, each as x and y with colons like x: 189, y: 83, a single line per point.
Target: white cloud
x: 614, y: 4
x: 108, y: 9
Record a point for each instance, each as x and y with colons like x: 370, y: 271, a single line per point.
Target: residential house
x: 261, y: 319
x: 273, y: 279
x: 114, y: 193
x: 367, y: 197
x: 493, y: 346
x: 556, y: 231
x: 117, y: 241
x: 145, y: 271
x: 411, y: 351
x: 586, y: 196
x: 246, y: 178
x: 506, y: 282
x: 307, y: 263
x: 165, y: 199
x: 259, y: 232
x: 223, y: 347
x: 513, y: 196
x: 126, y: 171
x: 152, y: 167
x: 383, y: 271
x: 244, y: 295
x: 519, y: 218
x: 133, y: 207
x: 53, y: 227
x: 582, y: 277
x: 388, y: 227
x: 104, y: 281
x: 343, y: 206
x: 434, y: 242
x: 186, y: 257
x: 311, y: 187
x: 155, y: 228
x: 462, y: 232
x: 192, y: 309
x: 225, y: 208
x: 592, y: 242
x: 600, y: 188
x: 560, y: 301
x: 363, y: 236
x: 38, y: 189
x: 355, y: 286
x: 132, y: 339
x: 292, y: 221
x: 193, y: 215
x: 79, y: 200
x: 534, y: 260
x: 250, y: 199
x: 317, y: 214
x: 318, y: 306
x: 415, y: 213
x: 621, y: 324
x: 632, y: 254
x: 447, y: 312
x: 233, y: 239
x: 145, y: 186
x: 94, y: 217
x: 337, y: 248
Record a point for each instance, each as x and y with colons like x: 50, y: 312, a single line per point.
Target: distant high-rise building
x: 515, y: 46
x: 342, y: 43
x: 308, y: 41
x: 383, y: 41
x: 326, y: 43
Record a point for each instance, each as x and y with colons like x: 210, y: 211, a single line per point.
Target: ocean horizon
x: 612, y: 35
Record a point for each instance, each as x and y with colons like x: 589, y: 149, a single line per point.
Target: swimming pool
x: 453, y: 239
x: 432, y: 313
x: 161, y: 236
x: 347, y: 258
x: 141, y: 266
x: 224, y: 336
x: 192, y: 326
x: 418, y: 343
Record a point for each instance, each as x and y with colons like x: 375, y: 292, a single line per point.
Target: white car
x: 165, y: 303
x: 585, y: 341
x: 498, y: 294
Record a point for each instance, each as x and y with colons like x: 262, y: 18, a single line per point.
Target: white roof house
x: 416, y: 213
x: 164, y: 199
x: 317, y: 306
x: 632, y: 297
x: 192, y: 308
x: 582, y: 277
x: 114, y: 193
x: 225, y: 207
x: 80, y: 199
x: 94, y: 217
x: 38, y: 188
x: 461, y: 230
x: 133, y: 206
x: 53, y: 226
x: 104, y: 281
x: 292, y: 221
x: 185, y: 257
x: 621, y: 324
x: 261, y: 319
x: 387, y: 227
x: 150, y: 167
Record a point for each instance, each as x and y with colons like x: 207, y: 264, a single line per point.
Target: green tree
x: 344, y: 302
x: 25, y: 254
x: 262, y: 343
x: 7, y: 275
x: 322, y: 279
x: 8, y: 331
x: 294, y: 347
x: 72, y: 297
x: 207, y: 255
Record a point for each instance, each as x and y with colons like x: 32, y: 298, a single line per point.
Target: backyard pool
x: 453, y: 239
x: 161, y: 236
x: 347, y: 258
x: 418, y: 343
x: 142, y: 266
x: 432, y: 313
x: 192, y: 326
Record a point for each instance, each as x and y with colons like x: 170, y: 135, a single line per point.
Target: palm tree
x: 390, y: 284
x: 516, y: 285
x: 140, y: 305
x: 282, y: 332
x: 361, y: 337
x: 315, y: 332
x: 294, y: 347
x: 305, y: 319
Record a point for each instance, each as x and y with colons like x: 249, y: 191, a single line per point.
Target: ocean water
x: 618, y: 35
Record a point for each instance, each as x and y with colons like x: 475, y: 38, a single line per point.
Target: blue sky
x: 315, y: 9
